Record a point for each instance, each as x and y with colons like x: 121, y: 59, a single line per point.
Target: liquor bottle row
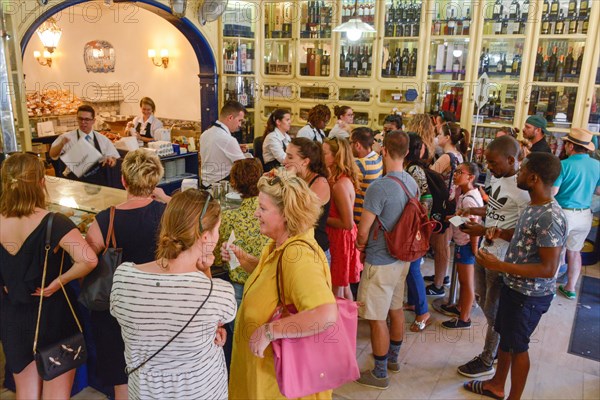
x: 553, y: 68
x: 449, y: 59
x: 502, y: 66
x: 242, y: 90
x: 518, y: 12
x: 316, y: 20
x: 356, y: 61
x: 453, y: 24
x: 364, y: 9
x: 493, y: 107
x: 238, y: 58
x: 278, y: 21
x: 505, y: 26
x: 564, y: 25
x: 555, y: 106
x: 552, y: 11
x: 403, y: 19
x: 318, y: 63
x: 399, y: 64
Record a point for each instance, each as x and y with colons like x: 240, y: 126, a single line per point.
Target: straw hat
x: 582, y: 137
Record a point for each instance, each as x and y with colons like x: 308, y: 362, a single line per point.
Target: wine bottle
x: 397, y: 63
x: 569, y: 61
x: 500, y: 66
x: 559, y: 27
x: 553, y: 60
x: 579, y: 62
x: 539, y: 61
x: 583, y: 8
x: 412, y: 63
x: 515, y: 10
x: 405, y: 61
x: 525, y: 11
x: 560, y: 69
x: 455, y: 69
x: 452, y: 24
x: 466, y: 23
x: 573, y: 24
x: 545, y: 24
x: 572, y: 10
x: 504, y: 27
x: 498, y: 10
x: 370, y: 61
x: 585, y: 26
x: 545, y: 7
x: 437, y: 25
x: 544, y: 72
x: 554, y: 9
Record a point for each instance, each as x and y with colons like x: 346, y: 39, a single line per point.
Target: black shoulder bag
x: 128, y: 372
x: 57, y: 358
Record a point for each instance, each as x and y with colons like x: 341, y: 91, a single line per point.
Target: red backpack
x: 409, y: 239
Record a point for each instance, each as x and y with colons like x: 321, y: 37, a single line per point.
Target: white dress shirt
x: 154, y: 122
x: 218, y: 151
x: 312, y: 133
x: 337, y: 132
x: 274, y: 146
x: 106, y: 147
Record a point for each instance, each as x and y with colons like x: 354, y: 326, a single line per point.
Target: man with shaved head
x: 505, y: 205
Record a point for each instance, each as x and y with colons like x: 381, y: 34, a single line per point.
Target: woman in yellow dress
x: 287, y: 212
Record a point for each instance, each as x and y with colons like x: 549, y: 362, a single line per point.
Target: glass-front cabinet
x: 425, y: 56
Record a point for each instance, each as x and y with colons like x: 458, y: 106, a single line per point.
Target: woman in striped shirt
x: 153, y: 302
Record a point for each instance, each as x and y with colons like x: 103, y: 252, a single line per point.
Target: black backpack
x: 442, y: 207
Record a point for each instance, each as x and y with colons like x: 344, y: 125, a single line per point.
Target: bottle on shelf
x: 405, y: 61
x: 545, y: 29
x: 573, y: 24
x: 498, y: 10
x: 539, y: 61
x: 456, y: 69
x: 559, y: 27
x: 484, y: 61
x: 569, y: 61
x: 560, y: 69
x: 515, y: 10
x: 544, y: 70
x: 525, y: 11
x: 579, y: 61
x: 584, y: 8
x: 466, y: 22
x: 554, y: 7
x: 451, y: 24
x: 412, y: 63
x: 437, y: 26
x: 516, y: 64
x: 585, y: 26
x: 552, y: 62
x: 504, y: 27
x: 572, y: 9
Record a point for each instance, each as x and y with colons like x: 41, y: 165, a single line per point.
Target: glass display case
x: 565, y: 17
x: 279, y: 24
x: 316, y: 23
x: 447, y: 96
x: 356, y: 56
x: 451, y: 18
x: 401, y: 39
x: 81, y: 201
x: 555, y: 103
x: 447, y: 59
x: 358, y: 95
x: 240, y: 88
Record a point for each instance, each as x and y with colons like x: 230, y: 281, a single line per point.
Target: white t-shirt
x: 273, y: 146
x: 312, y: 133
x: 218, y: 151
x: 154, y: 122
x: 470, y: 199
x: 505, y: 205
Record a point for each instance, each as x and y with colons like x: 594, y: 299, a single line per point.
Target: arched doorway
x: 208, y: 77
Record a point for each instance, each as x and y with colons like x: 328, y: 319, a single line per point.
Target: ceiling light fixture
x: 354, y: 28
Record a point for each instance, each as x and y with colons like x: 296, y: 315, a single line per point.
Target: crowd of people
x: 310, y: 228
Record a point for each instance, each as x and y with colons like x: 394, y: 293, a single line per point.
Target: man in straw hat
x: 579, y: 178
x: 535, y: 131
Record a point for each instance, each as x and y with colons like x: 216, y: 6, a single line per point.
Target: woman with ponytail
x: 156, y: 300
x: 454, y: 140
x: 276, y: 138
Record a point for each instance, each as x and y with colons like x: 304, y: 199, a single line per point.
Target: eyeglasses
x: 459, y: 172
x: 208, y: 199
x: 80, y: 119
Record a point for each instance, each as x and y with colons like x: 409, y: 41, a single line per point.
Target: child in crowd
x: 466, y: 247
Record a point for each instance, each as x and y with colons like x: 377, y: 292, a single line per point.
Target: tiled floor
x: 429, y: 361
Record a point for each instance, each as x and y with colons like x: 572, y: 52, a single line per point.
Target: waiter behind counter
x: 99, y: 173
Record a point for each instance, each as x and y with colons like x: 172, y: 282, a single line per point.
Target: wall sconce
x: 178, y: 7
x: 46, y: 60
x: 164, y: 57
x: 49, y: 33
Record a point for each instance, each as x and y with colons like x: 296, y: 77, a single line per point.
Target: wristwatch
x: 268, y: 333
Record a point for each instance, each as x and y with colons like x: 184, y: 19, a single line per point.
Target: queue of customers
x: 331, y: 198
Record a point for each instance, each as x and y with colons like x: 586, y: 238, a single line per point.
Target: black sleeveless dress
x: 320, y: 233
x: 22, y: 274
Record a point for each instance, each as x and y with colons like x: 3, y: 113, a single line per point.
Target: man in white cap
x: 579, y: 178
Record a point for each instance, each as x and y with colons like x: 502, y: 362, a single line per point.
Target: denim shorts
x: 518, y: 316
x: 464, y: 254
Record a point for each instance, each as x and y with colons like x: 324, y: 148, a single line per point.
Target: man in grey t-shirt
x: 381, y: 289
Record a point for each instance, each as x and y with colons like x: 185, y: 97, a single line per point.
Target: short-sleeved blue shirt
x: 578, y: 179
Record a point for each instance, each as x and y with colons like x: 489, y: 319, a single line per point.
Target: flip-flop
x: 419, y: 326
x: 477, y: 388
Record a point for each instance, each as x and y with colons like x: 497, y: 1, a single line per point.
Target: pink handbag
x: 324, y: 361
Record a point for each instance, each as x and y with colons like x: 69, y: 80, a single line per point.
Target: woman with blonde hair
x: 144, y: 126
x: 24, y: 222
x: 287, y: 212
x: 170, y: 310
x: 421, y: 125
x: 341, y: 229
x: 135, y: 226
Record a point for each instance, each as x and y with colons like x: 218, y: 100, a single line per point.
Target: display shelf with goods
x: 239, y: 54
x: 177, y: 168
x: 356, y: 58
x: 358, y: 95
x: 565, y: 18
x: 315, y: 38
x: 278, y: 50
x: 316, y: 93
x: 451, y: 19
x: 591, y: 112
x: 441, y: 96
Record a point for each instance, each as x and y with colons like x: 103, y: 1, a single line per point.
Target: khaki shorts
x: 381, y: 289
x: 579, y: 223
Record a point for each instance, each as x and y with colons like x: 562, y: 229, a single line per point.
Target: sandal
x: 477, y: 388
x: 419, y: 326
